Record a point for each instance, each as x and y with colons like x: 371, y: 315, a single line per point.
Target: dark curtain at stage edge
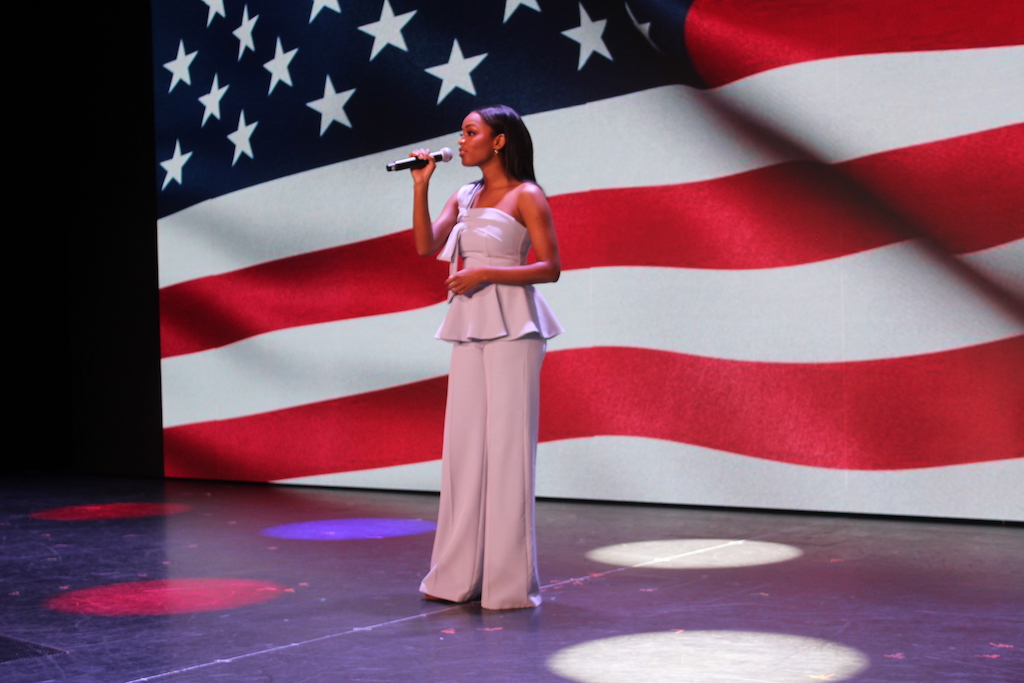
x: 113, y: 360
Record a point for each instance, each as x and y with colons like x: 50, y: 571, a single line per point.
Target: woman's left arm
x: 536, y: 213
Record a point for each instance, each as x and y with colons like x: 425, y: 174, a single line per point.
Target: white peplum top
x: 490, y: 237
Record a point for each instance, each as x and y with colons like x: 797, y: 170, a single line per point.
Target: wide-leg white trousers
x: 485, y: 544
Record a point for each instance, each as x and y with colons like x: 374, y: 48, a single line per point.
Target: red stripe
x: 390, y: 427
x: 924, y: 411
x: 373, y: 277
x: 732, y: 39
x: 963, y: 192
x: 783, y: 215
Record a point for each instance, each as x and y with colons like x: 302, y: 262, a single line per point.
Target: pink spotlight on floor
x: 165, y: 596
x: 110, y: 511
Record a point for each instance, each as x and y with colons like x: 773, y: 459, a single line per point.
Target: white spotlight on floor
x: 694, y: 553
x: 707, y: 657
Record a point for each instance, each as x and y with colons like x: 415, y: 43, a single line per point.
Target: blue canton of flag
x: 247, y: 91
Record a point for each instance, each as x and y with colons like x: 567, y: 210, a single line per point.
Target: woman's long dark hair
x: 518, y: 150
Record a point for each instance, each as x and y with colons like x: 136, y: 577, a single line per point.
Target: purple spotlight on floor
x: 350, y: 529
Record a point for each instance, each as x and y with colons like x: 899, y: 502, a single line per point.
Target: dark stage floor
x: 233, y: 582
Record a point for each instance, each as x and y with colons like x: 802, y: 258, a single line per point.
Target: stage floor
x: 234, y: 582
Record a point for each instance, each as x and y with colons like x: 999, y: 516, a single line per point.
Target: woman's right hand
x: 422, y: 175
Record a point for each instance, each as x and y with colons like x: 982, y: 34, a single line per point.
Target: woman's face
x: 478, y: 141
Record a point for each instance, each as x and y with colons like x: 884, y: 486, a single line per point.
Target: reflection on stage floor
x: 111, y: 580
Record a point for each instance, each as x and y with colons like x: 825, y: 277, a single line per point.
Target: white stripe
x: 849, y: 107
x: 420, y: 476
x: 1003, y: 266
x: 670, y: 472
x: 835, y: 110
x: 302, y: 365
x: 901, y: 300
x: 652, y: 471
x: 904, y: 299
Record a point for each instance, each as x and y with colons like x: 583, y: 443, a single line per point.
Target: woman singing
x: 499, y: 326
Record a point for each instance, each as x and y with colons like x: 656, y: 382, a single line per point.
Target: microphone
x: 443, y: 154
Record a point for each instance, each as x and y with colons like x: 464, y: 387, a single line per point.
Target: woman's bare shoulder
x: 530, y: 192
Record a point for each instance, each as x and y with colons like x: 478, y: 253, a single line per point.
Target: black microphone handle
x: 443, y: 154
x: 412, y: 163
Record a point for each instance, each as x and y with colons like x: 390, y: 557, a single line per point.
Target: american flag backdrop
x: 792, y: 235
